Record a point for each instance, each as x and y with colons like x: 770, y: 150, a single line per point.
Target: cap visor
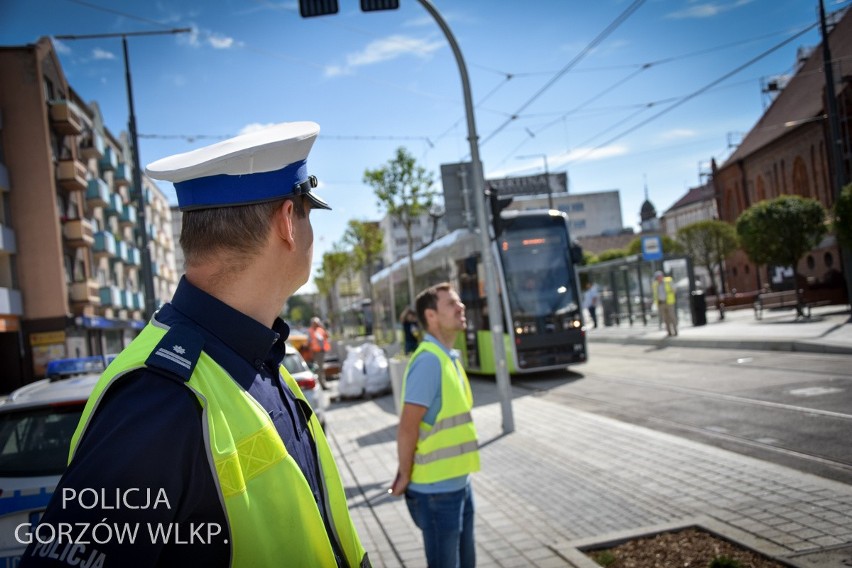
x: 317, y: 202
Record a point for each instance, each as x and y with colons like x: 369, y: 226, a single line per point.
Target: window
x: 829, y: 260
x: 579, y: 224
x: 577, y: 206
x: 810, y: 262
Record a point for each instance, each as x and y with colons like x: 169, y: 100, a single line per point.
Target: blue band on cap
x: 222, y: 190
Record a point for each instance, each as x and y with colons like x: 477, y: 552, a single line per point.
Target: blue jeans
x: 446, y: 520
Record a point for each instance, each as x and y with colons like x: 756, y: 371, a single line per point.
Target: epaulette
x: 177, y: 352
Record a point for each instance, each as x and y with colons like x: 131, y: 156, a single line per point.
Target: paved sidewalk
x: 828, y: 330
x: 567, y: 477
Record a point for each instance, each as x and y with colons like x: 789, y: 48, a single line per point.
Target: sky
x: 620, y: 94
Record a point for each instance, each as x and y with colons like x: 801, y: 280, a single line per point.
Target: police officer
x: 196, y: 447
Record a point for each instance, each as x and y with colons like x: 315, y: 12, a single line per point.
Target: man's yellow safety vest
x: 448, y: 448
x: 271, y: 512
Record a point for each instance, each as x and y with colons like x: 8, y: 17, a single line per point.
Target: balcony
x: 120, y: 251
x: 72, y: 175
x: 97, y: 193
x: 78, y: 233
x: 134, y: 256
x: 92, y: 145
x: 65, y: 117
x: 104, y: 244
x: 86, y: 292
x: 11, y: 302
x: 121, y: 176
x: 128, y: 216
x: 115, y: 204
x: 5, y: 184
x: 111, y: 296
x: 8, y: 242
x: 109, y: 161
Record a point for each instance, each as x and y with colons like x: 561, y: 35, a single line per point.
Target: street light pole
x: 546, y: 177
x: 142, y: 229
x: 495, y: 316
x: 836, y: 139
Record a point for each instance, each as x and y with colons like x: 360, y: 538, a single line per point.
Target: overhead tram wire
x: 696, y: 93
x: 594, y: 43
x: 639, y: 67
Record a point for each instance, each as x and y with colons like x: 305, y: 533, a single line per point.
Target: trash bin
x: 699, y: 308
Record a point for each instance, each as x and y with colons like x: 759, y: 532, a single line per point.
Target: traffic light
x: 311, y: 8
x: 497, y: 205
x: 376, y: 5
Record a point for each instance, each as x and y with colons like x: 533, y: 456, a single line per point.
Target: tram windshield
x: 537, y: 268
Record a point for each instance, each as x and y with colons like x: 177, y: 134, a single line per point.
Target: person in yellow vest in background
x: 319, y: 345
x: 664, y: 297
x: 197, y: 448
x: 436, y: 440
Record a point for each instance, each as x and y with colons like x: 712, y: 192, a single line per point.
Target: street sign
x: 652, y: 248
x: 375, y: 5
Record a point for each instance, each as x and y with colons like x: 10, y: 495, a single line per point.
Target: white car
x: 36, y: 425
x: 308, y: 381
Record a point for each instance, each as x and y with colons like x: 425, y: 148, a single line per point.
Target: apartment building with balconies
x: 71, y: 268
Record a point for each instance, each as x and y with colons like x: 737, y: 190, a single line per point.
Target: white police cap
x: 260, y: 166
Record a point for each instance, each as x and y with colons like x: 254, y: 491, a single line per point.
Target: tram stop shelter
x: 626, y: 296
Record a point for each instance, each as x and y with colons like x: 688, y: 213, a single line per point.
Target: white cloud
x: 385, y: 49
x: 220, y: 42
x: 102, y: 54
x: 254, y: 127
x: 707, y: 9
x: 678, y: 134
x: 61, y: 47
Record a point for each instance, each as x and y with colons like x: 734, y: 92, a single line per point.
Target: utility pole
x: 546, y: 177
x: 141, y: 226
x: 836, y: 142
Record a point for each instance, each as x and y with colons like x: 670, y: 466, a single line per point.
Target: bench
x: 781, y: 300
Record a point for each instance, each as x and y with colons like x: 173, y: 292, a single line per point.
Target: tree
x: 843, y: 217
x: 367, y: 242
x: 404, y: 190
x: 334, y: 264
x: 612, y: 254
x: 299, y: 310
x: 780, y: 231
x: 709, y: 243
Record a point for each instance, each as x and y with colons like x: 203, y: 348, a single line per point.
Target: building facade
x: 71, y: 277
x: 787, y: 153
x: 698, y: 204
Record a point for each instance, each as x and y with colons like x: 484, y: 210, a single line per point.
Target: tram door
x: 474, y: 308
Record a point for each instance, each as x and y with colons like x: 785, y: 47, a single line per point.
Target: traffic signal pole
x: 495, y: 316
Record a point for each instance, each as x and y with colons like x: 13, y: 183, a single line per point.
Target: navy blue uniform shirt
x: 145, y: 445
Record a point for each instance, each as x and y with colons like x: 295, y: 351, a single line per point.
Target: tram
x: 537, y: 280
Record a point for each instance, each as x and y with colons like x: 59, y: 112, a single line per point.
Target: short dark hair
x: 241, y: 230
x: 428, y: 300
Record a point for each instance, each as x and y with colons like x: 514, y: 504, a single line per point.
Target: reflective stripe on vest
x: 270, y: 508
x: 448, y: 448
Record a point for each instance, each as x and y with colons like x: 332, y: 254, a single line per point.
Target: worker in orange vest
x: 319, y: 345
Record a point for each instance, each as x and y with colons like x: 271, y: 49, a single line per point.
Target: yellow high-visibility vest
x: 271, y: 512
x: 448, y: 448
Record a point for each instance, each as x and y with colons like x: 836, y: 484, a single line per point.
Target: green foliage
x: 299, y: 310
x: 725, y: 562
x: 709, y: 243
x: 843, y: 216
x: 670, y: 246
x: 780, y: 231
x: 604, y: 558
x: 589, y: 258
x: 612, y: 254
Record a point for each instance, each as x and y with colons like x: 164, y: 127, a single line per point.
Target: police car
x: 36, y: 425
x: 307, y: 380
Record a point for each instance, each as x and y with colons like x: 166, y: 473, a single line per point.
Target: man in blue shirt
x: 248, y: 244
x: 434, y: 471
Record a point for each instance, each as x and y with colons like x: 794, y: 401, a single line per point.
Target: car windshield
x: 294, y: 363
x: 35, y: 441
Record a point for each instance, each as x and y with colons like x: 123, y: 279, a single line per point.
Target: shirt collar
x: 431, y: 338
x: 247, y: 337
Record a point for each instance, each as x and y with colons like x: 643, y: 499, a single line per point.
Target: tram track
x: 626, y: 412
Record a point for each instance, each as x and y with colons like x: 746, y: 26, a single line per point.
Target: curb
x: 745, y: 344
